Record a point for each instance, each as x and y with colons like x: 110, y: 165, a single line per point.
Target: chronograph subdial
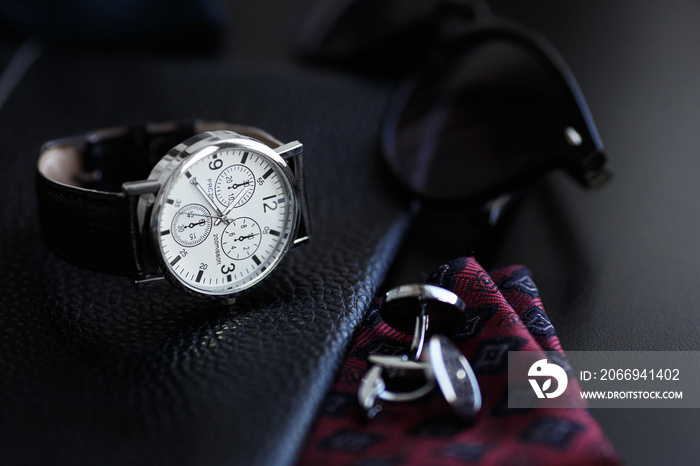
x: 235, y: 184
x: 191, y: 225
x: 241, y: 238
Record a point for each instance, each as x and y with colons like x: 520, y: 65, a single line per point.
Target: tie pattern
x: 504, y: 313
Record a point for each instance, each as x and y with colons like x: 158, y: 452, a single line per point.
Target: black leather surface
x: 95, y: 371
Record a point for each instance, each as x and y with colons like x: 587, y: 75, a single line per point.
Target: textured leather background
x: 95, y: 371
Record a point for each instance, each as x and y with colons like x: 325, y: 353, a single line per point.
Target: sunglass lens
x: 493, y: 115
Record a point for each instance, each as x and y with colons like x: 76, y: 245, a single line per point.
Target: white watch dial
x: 223, y: 220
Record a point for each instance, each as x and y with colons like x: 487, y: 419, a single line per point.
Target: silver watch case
x: 173, y: 165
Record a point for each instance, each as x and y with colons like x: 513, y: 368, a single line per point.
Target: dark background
x: 617, y: 268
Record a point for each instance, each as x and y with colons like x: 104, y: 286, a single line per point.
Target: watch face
x: 225, y: 216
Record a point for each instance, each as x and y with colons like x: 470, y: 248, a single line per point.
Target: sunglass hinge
x: 572, y: 136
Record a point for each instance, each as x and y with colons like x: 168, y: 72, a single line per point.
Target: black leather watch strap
x: 91, y: 229
x: 85, y: 217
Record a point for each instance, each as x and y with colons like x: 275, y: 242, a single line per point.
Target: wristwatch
x: 211, y: 207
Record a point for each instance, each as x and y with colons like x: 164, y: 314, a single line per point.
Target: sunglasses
x: 488, y: 105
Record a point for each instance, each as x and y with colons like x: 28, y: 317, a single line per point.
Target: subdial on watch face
x: 191, y: 225
x: 235, y: 184
x: 241, y: 238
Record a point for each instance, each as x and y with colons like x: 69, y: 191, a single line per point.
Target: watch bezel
x: 173, y: 165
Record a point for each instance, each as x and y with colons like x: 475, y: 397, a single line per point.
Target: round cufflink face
x: 454, y: 376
